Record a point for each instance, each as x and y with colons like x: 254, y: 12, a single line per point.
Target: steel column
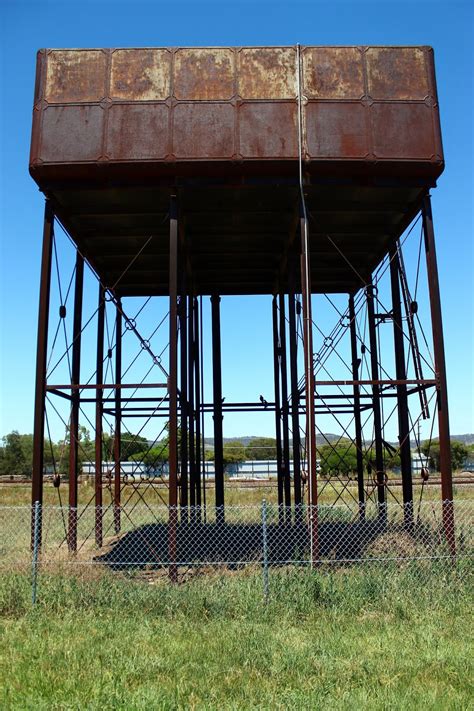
x: 217, y: 397
x: 310, y: 393
x: 183, y: 398
x: 42, y: 354
x: 173, y: 391
x: 284, y: 399
x: 374, y: 365
x: 99, y: 408
x: 357, y: 417
x: 276, y: 377
x: 295, y: 396
x: 191, y: 412
x: 402, y: 395
x: 75, y: 403
x: 118, y: 417
x: 440, y: 367
x: 41, y: 361
x: 197, y: 402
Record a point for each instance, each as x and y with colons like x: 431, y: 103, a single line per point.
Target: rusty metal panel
x: 204, y: 130
x: 137, y: 132
x: 337, y: 129
x: 75, y: 75
x: 268, y: 130
x: 267, y: 73
x: 333, y: 73
x: 204, y: 74
x: 140, y: 74
x: 169, y: 106
x: 403, y: 131
x: 71, y: 133
x: 396, y: 73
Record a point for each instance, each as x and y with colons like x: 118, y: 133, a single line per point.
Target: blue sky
x: 27, y: 26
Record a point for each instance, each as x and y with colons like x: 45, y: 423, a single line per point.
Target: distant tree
x: 131, y: 445
x: 261, y: 448
x: 337, y: 459
x: 13, y: 461
x: 234, y: 453
x: 459, y: 453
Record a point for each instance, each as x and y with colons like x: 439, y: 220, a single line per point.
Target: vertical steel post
x: 36, y: 547
x: 41, y: 361
x: 191, y: 408
x: 440, y: 367
x: 197, y: 400
x: 374, y: 366
x: 295, y: 396
x: 201, y: 340
x: 75, y: 403
x: 284, y: 398
x: 402, y: 395
x: 217, y: 406
x: 118, y: 417
x: 309, y: 387
x: 173, y: 391
x: 98, y: 416
x: 276, y: 377
x: 183, y: 399
x: 357, y: 418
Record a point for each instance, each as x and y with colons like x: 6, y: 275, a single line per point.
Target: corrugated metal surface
x: 370, y: 105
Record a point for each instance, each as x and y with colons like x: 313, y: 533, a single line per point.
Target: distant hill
x: 466, y: 439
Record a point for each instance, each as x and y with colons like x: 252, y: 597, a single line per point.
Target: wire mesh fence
x: 160, y: 541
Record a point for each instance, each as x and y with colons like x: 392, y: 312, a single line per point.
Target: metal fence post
x: 265, y: 550
x: 34, y: 564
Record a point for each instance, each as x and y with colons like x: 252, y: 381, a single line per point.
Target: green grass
x: 365, y: 638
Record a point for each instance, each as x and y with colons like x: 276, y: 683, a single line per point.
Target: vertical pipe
x: 357, y: 418
x: 284, y: 402
x: 118, y: 416
x: 440, y: 367
x: 75, y: 403
x: 173, y: 391
x: 191, y: 411
x: 98, y: 416
x: 295, y: 396
x: 41, y: 361
x: 217, y: 406
x: 183, y: 399
x: 402, y: 395
x: 379, y: 460
x: 276, y: 376
x: 201, y: 340
x: 36, y: 547
x: 309, y: 386
x: 197, y: 400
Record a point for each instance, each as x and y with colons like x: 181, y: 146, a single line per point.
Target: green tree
x: 13, y: 461
x: 459, y: 453
x: 233, y: 453
x: 339, y: 458
x: 261, y: 448
x: 132, y: 445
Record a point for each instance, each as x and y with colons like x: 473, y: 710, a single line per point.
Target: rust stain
x: 204, y: 74
x: 396, y: 73
x: 75, y: 75
x: 267, y: 73
x: 140, y: 74
x: 332, y: 73
x: 268, y: 130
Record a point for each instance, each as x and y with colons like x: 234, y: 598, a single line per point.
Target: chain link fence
x: 159, y: 541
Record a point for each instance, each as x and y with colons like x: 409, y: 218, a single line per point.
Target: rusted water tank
x: 114, y: 130
x: 163, y: 108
